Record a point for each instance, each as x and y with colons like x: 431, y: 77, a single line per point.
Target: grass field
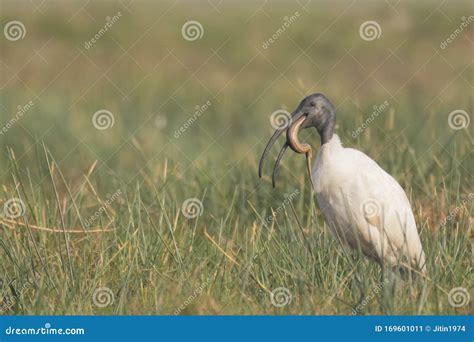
x: 156, y: 206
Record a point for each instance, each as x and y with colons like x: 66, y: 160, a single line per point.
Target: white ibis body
x: 362, y: 205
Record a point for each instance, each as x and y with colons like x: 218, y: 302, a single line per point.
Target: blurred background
x: 178, y: 96
x: 151, y: 78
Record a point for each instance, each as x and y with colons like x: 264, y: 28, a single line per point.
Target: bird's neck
x: 327, y: 132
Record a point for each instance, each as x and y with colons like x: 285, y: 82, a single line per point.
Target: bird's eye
x: 312, y: 104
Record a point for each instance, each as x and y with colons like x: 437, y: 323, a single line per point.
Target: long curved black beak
x: 294, y: 116
x: 270, y: 143
x: 277, y: 163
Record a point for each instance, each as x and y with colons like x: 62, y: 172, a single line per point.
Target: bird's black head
x: 319, y: 113
x: 314, y: 111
